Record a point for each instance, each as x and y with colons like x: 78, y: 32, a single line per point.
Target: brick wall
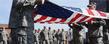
x: 6, y: 28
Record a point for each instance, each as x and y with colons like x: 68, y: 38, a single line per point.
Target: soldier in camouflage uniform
x: 106, y: 32
x: 21, y: 8
x: 50, y: 35
x: 1, y: 36
x: 22, y: 34
x: 76, y: 33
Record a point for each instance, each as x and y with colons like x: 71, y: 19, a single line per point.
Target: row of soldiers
x: 81, y: 33
x: 96, y: 32
x: 50, y: 36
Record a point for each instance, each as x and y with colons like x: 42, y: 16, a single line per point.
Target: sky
x: 5, y: 8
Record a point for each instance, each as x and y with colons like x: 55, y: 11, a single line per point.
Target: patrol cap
x: 91, y: 4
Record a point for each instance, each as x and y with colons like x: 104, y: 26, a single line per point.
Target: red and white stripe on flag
x: 86, y: 16
x: 95, y: 14
x: 75, y: 17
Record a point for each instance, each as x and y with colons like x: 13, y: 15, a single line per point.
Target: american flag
x: 76, y: 17
x: 95, y: 14
x: 52, y: 13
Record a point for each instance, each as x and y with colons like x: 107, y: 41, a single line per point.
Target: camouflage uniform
x: 1, y: 36
x: 21, y: 8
